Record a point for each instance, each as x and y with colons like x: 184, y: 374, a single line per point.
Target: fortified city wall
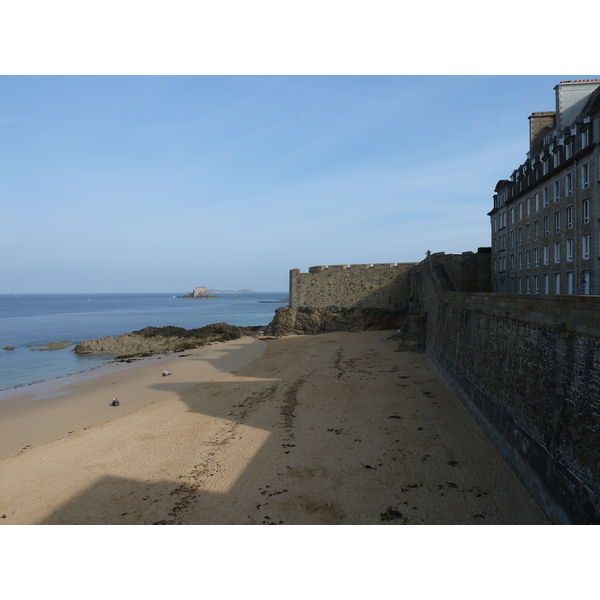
x: 383, y: 286
x: 528, y: 370
x: 527, y: 367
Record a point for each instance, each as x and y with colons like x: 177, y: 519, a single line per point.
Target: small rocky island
x: 200, y: 293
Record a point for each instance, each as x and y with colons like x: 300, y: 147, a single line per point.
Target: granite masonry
x: 527, y: 367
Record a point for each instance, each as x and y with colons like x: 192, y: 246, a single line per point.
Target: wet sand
x: 338, y: 428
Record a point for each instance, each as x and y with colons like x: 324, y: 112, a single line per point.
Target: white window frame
x: 569, y: 250
x: 556, y: 253
x: 585, y: 246
x: 546, y: 255
x: 585, y: 176
x: 557, y: 191
x: 585, y: 209
x: 585, y: 138
x: 569, y: 184
x: 570, y: 282
x: 569, y: 217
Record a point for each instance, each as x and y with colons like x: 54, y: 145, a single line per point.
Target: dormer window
x: 568, y: 150
x: 585, y: 138
x: 545, y: 167
x: 556, y: 159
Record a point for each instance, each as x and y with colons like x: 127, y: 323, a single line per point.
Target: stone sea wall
x: 528, y: 370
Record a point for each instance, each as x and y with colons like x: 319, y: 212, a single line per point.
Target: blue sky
x: 163, y: 183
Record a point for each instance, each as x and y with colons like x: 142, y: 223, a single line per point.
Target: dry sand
x: 338, y: 428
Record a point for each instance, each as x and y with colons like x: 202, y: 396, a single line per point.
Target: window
x: 585, y: 138
x: 569, y: 184
x: 536, y: 202
x: 569, y: 215
x: 512, y: 215
x: 512, y: 239
x: 569, y: 282
x: 512, y: 262
x: 536, y: 229
x: 536, y: 282
x: 557, y: 283
x: 545, y: 167
x: 528, y: 259
x: 520, y: 285
x: 545, y: 196
x: 520, y: 236
x: 520, y: 210
x: 520, y: 255
x: 556, y: 159
x: 536, y: 254
x: 585, y: 281
x: 585, y: 207
x: 569, y: 250
x: 568, y: 151
x: 557, y: 191
x: 585, y: 176
x: 546, y: 284
x: 527, y: 285
x: 557, y: 222
x: 546, y: 226
x: 557, y: 252
x: 527, y: 233
x: 528, y: 207
x: 585, y: 246
x: 546, y: 255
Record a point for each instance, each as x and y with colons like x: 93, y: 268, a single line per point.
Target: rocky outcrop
x: 52, y: 346
x: 156, y: 340
x: 310, y: 320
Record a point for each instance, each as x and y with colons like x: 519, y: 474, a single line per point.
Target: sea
x: 30, y: 320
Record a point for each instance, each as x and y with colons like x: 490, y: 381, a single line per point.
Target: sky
x: 165, y: 183
x: 162, y: 151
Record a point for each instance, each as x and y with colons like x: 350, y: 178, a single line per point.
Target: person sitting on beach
x: 165, y: 373
x: 115, y: 402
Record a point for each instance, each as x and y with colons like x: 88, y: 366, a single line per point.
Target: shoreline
x: 40, y: 413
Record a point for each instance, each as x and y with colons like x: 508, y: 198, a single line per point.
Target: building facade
x: 545, y: 223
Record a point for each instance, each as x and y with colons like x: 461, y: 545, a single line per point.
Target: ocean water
x: 27, y: 320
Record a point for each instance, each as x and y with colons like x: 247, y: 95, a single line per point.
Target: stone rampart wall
x: 382, y: 286
x: 528, y: 370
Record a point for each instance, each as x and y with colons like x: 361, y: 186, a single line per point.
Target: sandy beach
x: 337, y: 428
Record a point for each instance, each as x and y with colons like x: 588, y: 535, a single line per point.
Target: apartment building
x: 546, y: 218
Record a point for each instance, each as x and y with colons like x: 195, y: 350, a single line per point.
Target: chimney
x: 571, y: 97
x: 540, y: 124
